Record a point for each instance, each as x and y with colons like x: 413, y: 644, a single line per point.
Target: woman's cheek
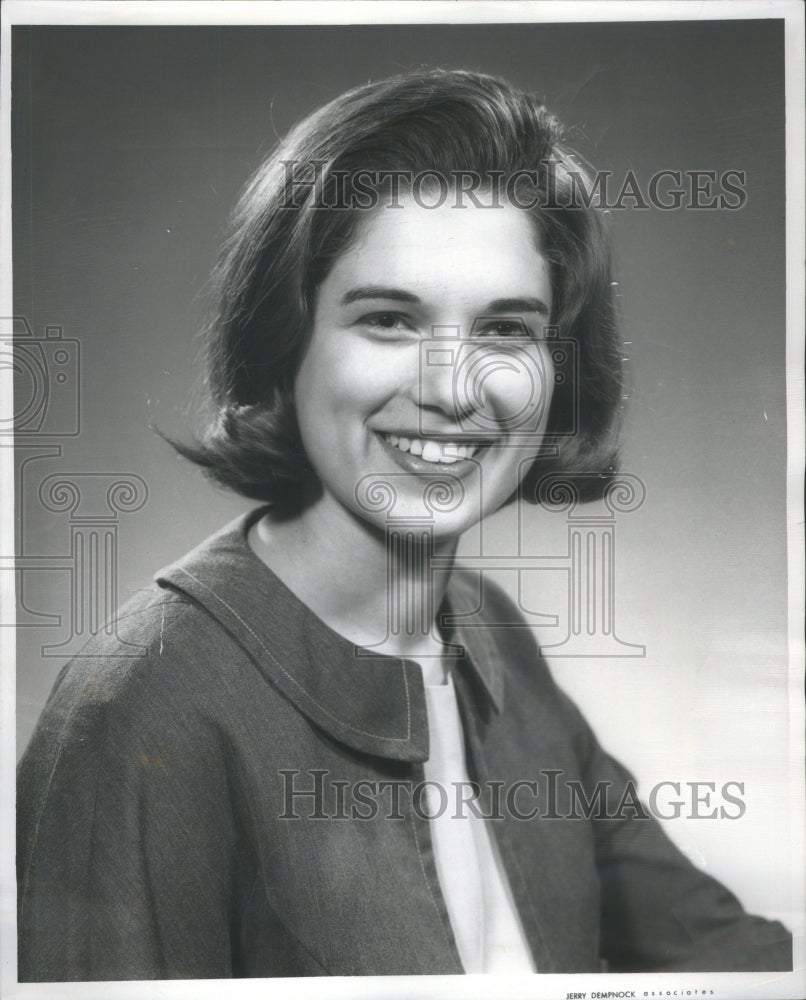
x: 520, y: 391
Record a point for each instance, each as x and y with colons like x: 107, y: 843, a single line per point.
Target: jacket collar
x: 372, y: 703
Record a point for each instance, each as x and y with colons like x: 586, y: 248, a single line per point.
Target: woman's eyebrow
x: 517, y: 305
x: 510, y: 305
x: 377, y: 292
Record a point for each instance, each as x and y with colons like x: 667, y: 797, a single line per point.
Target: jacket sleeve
x: 659, y: 912
x: 124, y: 832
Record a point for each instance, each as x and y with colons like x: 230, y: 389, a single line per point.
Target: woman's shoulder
x: 169, y: 659
x: 155, y: 654
x: 150, y: 614
x: 167, y: 636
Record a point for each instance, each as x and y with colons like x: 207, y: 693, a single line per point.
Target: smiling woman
x: 265, y: 789
x: 364, y: 378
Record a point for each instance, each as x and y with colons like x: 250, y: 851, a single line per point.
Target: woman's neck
x: 378, y: 590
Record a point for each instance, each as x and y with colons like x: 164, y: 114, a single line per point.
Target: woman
x: 336, y: 754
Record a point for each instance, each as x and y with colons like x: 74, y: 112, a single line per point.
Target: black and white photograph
x: 402, y: 522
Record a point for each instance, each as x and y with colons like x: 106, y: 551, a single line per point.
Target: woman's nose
x: 485, y: 387
x: 439, y: 384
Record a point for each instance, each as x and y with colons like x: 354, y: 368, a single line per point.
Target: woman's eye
x: 386, y: 321
x: 505, y: 328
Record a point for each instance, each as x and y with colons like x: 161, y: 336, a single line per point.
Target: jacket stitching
x: 273, y: 658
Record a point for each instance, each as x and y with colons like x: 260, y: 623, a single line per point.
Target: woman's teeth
x: 432, y: 451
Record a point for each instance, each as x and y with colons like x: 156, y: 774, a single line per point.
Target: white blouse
x: 486, y: 925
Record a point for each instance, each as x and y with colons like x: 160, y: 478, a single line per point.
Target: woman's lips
x: 423, y: 455
x: 431, y: 450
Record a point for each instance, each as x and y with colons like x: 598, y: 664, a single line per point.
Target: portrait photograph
x: 402, y: 445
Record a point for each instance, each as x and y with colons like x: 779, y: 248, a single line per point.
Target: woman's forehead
x: 471, y: 248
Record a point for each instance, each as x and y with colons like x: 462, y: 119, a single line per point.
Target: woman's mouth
x: 424, y: 456
x: 429, y: 450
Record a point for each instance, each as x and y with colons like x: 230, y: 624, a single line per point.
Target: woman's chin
x: 411, y: 525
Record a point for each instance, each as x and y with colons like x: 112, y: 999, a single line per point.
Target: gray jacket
x: 165, y: 830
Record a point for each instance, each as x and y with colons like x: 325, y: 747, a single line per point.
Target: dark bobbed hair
x: 284, y: 241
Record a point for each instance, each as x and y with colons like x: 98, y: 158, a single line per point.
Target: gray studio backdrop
x: 129, y: 148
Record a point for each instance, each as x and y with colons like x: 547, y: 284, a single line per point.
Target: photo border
x: 724, y: 985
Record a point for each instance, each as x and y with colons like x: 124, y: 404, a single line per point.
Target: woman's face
x: 426, y: 384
